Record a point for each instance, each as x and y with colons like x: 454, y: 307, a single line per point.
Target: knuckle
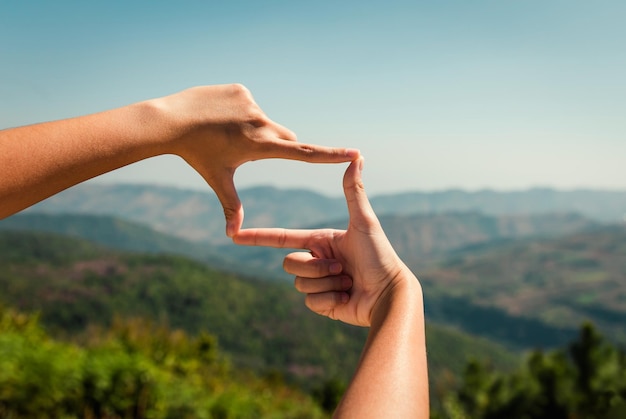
x: 282, y: 237
x: 240, y: 90
x: 290, y: 135
x: 255, y: 116
x: 319, y: 267
x: 306, y: 149
x: 229, y: 212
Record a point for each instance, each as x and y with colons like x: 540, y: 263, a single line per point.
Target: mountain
x: 193, y: 215
x: 418, y: 239
x: 599, y: 205
x: 197, y: 216
x: 556, y: 283
x: 264, y: 326
x: 118, y: 234
x: 422, y: 239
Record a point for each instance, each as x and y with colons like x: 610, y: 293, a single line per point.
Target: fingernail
x: 346, y: 283
x: 230, y: 230
x: 361, y: 164
x: 335, y: 268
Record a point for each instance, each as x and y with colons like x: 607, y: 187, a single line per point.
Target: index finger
x: 273, y: 237
x: 312, y: 153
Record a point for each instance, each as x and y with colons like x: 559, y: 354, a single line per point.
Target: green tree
x: 584, y: 380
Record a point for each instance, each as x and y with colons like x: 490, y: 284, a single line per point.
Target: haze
x: 437, y: 95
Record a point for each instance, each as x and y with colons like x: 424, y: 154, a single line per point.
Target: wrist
x: 163, y: 126
x: 403, y: 296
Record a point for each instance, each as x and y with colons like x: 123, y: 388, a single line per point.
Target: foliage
x: 263, y: 326
x: 134, y: 369
x: 329, y: 394
x: 585, y: 380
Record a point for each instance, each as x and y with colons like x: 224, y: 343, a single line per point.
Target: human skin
x: 355, y: 276
x: 215, y: 129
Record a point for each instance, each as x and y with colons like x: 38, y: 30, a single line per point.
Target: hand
x: 346, y: 273
x: 355, y: 276
x: 218, y: 128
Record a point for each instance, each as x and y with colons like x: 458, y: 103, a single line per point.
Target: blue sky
x: 448, y: 94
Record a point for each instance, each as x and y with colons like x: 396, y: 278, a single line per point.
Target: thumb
x: 361, y: 213
x: 233, y: 210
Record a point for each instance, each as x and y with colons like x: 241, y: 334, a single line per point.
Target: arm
x: 214, y: 128
x: 391, y: 379
x: 355, y: 276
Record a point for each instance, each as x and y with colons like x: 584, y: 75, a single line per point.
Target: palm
x: 368, y: 258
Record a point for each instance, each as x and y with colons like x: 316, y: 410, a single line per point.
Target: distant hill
x: 263, y: 326
x: 419, y: 239
x: 557, y: 282
x: 598, y: 205
x: 118, y: 234
x: 193, y: 215
x: 197, y: 216
x: 422, y: 239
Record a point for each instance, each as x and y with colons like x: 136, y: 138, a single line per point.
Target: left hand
x: 216, y: 129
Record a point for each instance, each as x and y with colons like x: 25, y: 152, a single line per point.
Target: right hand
x: 346, y: 273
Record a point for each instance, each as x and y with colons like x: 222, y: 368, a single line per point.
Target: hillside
x: 419, y: 239
x: 118, y: 234
x: 598, y: 205
x: 197, y: 216
x: 423, y: 239
x: 558, y: 282
x: 193, y: 215
x: 264, y: 326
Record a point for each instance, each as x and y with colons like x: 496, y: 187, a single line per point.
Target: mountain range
x: 197, y: 216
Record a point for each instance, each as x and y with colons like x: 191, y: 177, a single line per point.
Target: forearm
x: 40, y: 160
x: 391, y: 379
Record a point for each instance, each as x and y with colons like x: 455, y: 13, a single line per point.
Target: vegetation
x: 546, y: 287
x: 131, y: 370
x: 263, y: 326
x: 136, y: 369
x: 584, y: 380
x: 75, y: 284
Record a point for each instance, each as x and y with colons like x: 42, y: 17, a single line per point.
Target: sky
x: 503, y: 95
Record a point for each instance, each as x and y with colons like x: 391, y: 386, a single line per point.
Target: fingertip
x: 234, y: 221
x: 231, y: 230
x: 359, y: 207
x: 353, y: 153
x: 352, y: 176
